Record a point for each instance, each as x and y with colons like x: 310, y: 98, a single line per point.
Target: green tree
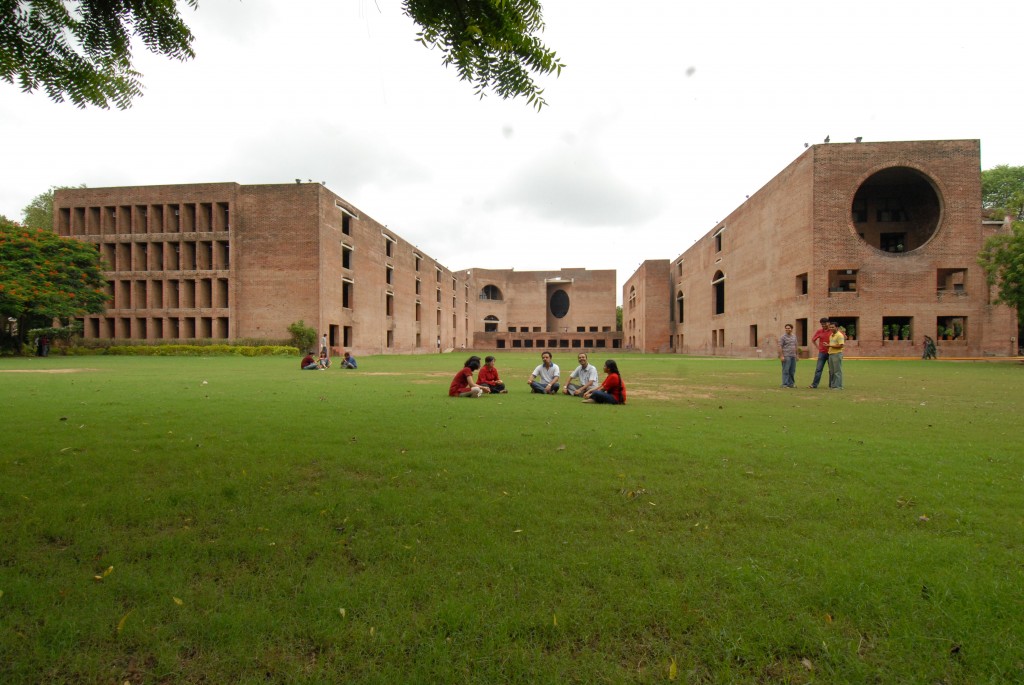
x: 1002, y: 190
x: 1003, y: 261
x: 302, y: 336
x: 80, y: 50
x: 39, y: 212
x: 493, y: 44
x: 618, y: 318
x: 45, y: 276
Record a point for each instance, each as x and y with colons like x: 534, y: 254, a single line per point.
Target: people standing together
x: 543, y: 381
x: 830, y: 340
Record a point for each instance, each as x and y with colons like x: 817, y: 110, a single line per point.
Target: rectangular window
x: 346, y: 256
x: 842, y: 281
x: 951, y: 327
x: 801, y: 284
x: 347, y: 296
x: 389, y: 275
x: 753, y: 335
x: 951, y: 281
x: 897, y: 328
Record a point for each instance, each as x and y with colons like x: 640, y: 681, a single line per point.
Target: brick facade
x: 881, y: 236
x: 228, y: 261
x: 569, y: 308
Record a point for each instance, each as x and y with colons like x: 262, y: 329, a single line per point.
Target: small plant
x: 905, y: 331
x: 886, y: 332
x: 302, y: 336
x: 958, y: 331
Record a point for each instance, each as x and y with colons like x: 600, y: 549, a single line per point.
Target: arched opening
x: 896, y: 210
x: 632, y: 296
x: 718, y: 292
x: 490, y: 324
x: 490, y: 292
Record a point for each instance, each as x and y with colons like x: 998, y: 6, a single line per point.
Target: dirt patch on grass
x: 45, y: 370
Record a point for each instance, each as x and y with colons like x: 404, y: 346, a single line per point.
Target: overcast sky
x: 666, y: 117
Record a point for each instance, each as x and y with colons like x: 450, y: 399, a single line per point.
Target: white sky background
x: 668, y: 114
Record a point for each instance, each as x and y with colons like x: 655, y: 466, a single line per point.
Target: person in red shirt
x: 821, y: 337
x: 463, y: 385
x: 612, y: 391
x: 308, y: 363
x: 489, y: 377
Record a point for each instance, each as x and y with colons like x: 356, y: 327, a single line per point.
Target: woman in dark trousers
x: 612, y: 391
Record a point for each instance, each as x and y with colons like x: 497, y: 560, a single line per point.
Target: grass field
x: 235, y: 520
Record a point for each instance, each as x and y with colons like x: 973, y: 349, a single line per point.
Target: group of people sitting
x: 544, y: 380
x: 323, y: 362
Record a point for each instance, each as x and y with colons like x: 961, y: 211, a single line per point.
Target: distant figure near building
x: 929, y: 348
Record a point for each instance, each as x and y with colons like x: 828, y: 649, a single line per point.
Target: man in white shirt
x: 583, y: 377
x: 547, y: 373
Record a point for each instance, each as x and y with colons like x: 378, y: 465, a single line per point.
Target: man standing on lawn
x: 836, y: 343
x: 548, y: 373
x: 787, y: 354
x: 821, y: 338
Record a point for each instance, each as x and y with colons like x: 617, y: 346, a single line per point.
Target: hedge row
x: 187, y: 350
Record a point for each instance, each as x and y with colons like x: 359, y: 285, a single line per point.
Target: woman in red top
x: 463, y: 385
x: 612, y: 391
x: 489, y: 378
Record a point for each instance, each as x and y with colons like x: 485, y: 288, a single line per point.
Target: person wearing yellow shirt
x: 836, y: 343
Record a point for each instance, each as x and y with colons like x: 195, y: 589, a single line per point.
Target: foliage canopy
x: 81, y: 50
x: 1002, y: 189
x: 39, y: 212
x: 493, y: 44
x: 1003, y: 261
x: 45, y: 275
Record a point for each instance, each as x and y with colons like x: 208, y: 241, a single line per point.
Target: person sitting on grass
x: 463, y: 385
x: 489, y: 377
x: 324, y: 362
x: 548, y: 373
x: 309, y: 363
x: 583, y: 377
x: 612, y: 391
x: 348, y: 362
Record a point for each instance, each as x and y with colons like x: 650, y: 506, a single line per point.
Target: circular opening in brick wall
x: 559, y: 304
x: 896, y: 210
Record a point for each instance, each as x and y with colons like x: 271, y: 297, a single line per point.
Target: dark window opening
x: 842, y: 280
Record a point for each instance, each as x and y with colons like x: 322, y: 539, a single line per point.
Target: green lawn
x: 236, y: 520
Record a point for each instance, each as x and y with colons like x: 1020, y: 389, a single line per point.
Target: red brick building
x: 228, y: 261
x: 883, y: 237
x: 569, y: 308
